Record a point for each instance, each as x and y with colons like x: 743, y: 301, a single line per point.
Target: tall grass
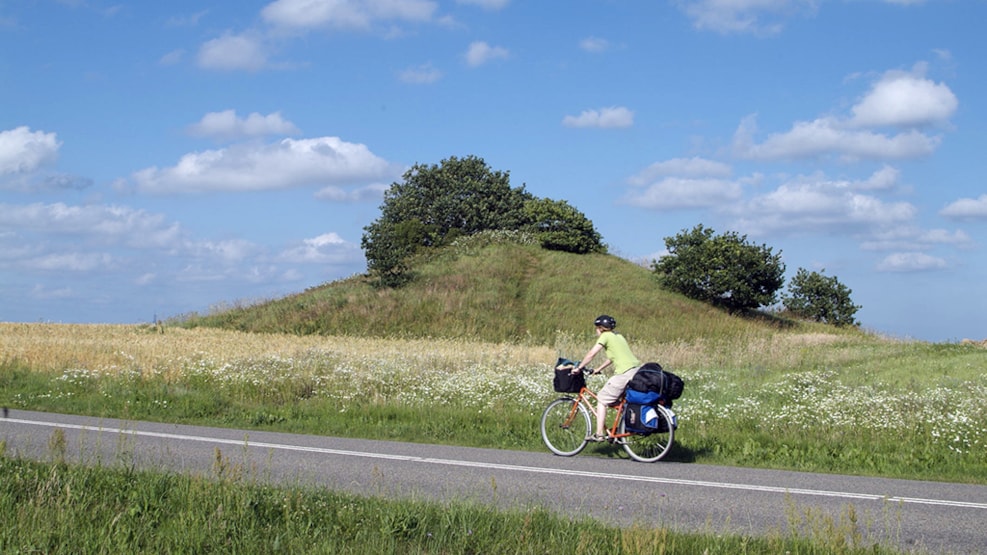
x: 829, y: 403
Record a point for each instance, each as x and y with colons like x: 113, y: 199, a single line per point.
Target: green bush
x: 724, y: 270
x: 823, y: 299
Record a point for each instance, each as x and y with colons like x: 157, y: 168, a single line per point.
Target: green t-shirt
x: 618, y: 351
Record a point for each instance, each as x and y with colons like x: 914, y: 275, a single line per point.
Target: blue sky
x: 159, y: 158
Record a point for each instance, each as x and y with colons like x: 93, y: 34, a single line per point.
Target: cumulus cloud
x: 966, y: 209
x: 910, y: 262
x: 682, y: 167
x: 612, y: 117
x: 233, y: 52
x: 24, y: 151
x: 905, y: 100
x: 814, y: 203
x: 227, y: 125
x: 480, y: 52
x: 302, y: 15
x: 676, y: 193
x: 827, y: 136
x: 285, y: 164
x: 108, y: 224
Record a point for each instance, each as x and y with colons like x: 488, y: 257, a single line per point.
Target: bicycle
x: 566, y: 428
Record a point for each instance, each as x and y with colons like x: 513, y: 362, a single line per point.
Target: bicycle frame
x: 583, y: 399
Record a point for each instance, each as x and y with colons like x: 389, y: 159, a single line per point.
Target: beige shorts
x: 614, y: 388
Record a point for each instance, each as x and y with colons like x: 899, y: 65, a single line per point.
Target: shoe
x: 597, y: 438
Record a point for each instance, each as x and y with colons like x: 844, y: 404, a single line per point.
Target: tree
x: 724, y: 270
x: 559, y: 226
x: 823, y: 299
x: 434, y: 205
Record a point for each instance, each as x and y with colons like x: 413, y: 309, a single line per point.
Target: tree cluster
x: 814, y: 296
x: 723, y: 270
x: 727, y: 271
x: 436, y: 204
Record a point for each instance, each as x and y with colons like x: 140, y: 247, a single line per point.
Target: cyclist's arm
x: 589, y: 358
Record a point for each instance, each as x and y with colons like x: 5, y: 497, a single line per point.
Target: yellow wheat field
x: 166, y: 350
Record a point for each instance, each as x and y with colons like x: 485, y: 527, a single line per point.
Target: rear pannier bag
x: 565, y: 381
x: 644, y: 419
x: 651, y: 377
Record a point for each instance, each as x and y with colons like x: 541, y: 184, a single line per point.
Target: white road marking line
x: 515, y: 468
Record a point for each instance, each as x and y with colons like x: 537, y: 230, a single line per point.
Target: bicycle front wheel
x: 565, y: 425
x: 655, y: 445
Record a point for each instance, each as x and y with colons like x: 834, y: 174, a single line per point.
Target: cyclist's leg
x: 609, y: 396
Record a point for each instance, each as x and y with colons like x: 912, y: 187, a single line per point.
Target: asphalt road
x: 925, y: 516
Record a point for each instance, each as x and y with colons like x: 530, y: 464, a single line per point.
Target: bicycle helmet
x: 605, y: 321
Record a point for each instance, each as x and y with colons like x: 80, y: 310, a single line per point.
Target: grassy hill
x: 498, y: 292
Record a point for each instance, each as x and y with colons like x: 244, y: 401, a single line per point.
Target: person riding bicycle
x: 625, y: 365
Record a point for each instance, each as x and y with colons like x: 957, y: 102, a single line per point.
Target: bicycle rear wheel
x: 653, y: 446
x: 565, y: 424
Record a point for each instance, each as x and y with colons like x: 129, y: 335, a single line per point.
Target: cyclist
x: 625, y: 365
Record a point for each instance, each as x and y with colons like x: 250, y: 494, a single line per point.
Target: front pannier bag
x: 565, y: 381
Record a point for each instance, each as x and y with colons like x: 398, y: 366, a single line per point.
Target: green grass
x: 53, y: 508
x: 905, y: 410
x: 499, y: 292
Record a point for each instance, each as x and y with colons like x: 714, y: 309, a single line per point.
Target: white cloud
x: 966, y: 208
x: 106, y: 223
x: 287, y: 163
x: 905, y: 100
x: 678, y: 193
x: 480, y: 53
x: 344, y: 14
x: 910, y: 262
x: 744, y: 16
x: 233, y: 52
x: 486, y: 4
x: 328, y: 248
x: 883, y: 179
x: 826, y: 136
x: 362, y: 194
x: 612, y: 117
x: 227, y: 124
x: 420, y: 75
x: 816, y: 204
x: 24, y: 151
x: 228, y: 251
x: 682, y: 167
x: 909, y: 238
